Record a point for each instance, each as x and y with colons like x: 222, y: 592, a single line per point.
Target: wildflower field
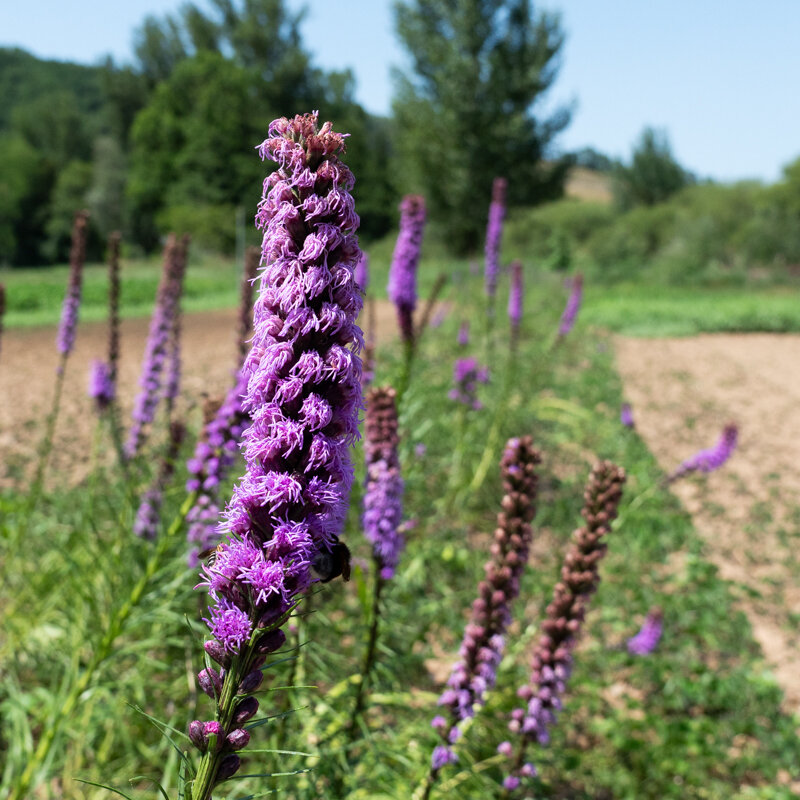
x: 508, y: 598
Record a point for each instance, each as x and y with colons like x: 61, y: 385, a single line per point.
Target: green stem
x: 46, y: 446
x: 372, y: 641
x: 103, y: 651
x: 409, y: 349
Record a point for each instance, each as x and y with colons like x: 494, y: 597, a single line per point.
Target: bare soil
x: 28, y: 361
x: 683, y: 391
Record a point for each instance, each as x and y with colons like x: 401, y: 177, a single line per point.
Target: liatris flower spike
x: 113, y: 306
x: 484, y: 637
x: 403, y: 271
x: 214, y: 455
x: 155, y: 353
x: 626, y: 415
x: 573, y: 306
x: 711, y: 459
x: 494, y: 234
x: 173, y: 385
x: 101, y: 385
x: 362, y: 273
x: 383, y: 496
x: 72, y: 299
x: 552, y: 658
x: 649, y: 636
x: 467, y: 374
x: 303, y: 395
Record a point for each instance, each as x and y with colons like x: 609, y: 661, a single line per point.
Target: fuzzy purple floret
x: 467, y: 374
x: 494, y: 234
x: 515, y: 295
x: 403, y: 271
x: 304, y: 382
x: 214, y: 455
x: 712, y: 458
x: 362, y: 272
x: 626, y: 415
x: 101, y: 385
x: 649, y: 635
x: 573, y: 306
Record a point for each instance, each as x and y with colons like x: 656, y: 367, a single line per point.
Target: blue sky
x: 719, y: 75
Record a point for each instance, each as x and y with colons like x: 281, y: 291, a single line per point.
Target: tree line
x: 167, y: 142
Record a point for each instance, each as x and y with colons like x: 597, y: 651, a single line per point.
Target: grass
x: 700, y: 718
x: 648, y: 311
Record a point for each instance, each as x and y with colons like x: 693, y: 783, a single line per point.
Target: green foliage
x: 463, y: 115
x: 699, y: 719
x: 653, y: 174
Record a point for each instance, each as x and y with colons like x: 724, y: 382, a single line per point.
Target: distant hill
x: 588, y: 184
x: 25, y: 78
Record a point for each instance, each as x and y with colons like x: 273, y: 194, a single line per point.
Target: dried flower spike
x: 72, y: 299
x: 484, y: 637
x: 552, y: 658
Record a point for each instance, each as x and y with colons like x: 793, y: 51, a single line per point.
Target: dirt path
x: 28, y: 362
x: 683, y: 391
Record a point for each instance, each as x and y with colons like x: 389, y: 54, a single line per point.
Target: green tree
x: 464, y: 114
x: 653, y: 174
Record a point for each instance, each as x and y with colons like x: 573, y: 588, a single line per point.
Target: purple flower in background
x: 572, y: 307
x: 552, y: 657
x: 649, y: 636
x: 712, y: 458
x: 494, y: 234
x: 515, y: 297
x: 467, y: 374
x: 439, y: 317
x: 214, y: 455
x: 101, y: 385
x: 362, y: 273
x: 303, y: 395
x: 463, y: 334
x: 403, y: 271
x: 383, y: 494
x: 420, y: 449
x: 484, y: 636
x: 72, y: 300
x: 155, y: 354
x: 626, y: 415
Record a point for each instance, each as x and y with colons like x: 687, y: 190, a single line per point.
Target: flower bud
x: 238, y: 739
x: 228, y: 767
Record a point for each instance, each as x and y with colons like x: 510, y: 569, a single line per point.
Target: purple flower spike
x: 214, y: 455
x: 383, y: 497
x: 552, y: 657
x: 649, y: 636
x: 101, y: 385
x: 362, y: 273
x: 494, y: 234
x: 173, y: 385
x: 484, y: 636
x: 712, y: 458
x: 573, y: 306
x: 403, y: 271
x: 155, y: 354
x: 467, y: 374
x: 626, y: 415
x: 72, y: 299
x: 303, y: 396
